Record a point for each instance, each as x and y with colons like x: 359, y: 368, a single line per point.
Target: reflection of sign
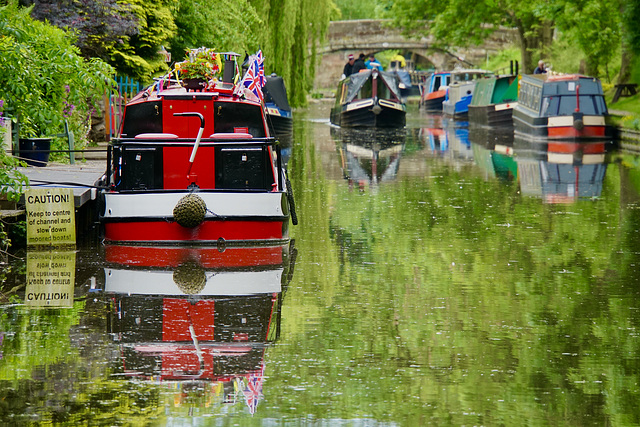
x: 50, y: 279
x: 50, y: 216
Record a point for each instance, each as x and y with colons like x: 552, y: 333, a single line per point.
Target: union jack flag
x: 254, y: 78
x: 253, y: 391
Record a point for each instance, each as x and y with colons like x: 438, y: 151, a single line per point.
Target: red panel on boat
x: 155, y: 231
x: 209, y: 257
x: 571, y: 132
x: 179, y: 314
x: 175, y: 163
x: 572, y: 147
x: 187, y: 127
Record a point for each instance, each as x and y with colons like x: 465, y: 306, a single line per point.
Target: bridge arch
x: 375, y: 35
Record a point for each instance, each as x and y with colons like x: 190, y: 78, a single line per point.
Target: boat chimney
x: 229, y: 70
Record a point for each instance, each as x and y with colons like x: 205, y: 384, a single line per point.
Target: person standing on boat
x: 540, y: 69
x: 348, y: 67
x: 372, y: 63
x: 359, y: 64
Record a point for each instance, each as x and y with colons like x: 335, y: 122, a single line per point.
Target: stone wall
x: 366, y: 35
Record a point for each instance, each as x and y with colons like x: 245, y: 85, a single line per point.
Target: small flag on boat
x: 253, y: 79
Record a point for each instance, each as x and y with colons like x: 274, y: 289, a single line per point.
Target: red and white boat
x: 197, y: 166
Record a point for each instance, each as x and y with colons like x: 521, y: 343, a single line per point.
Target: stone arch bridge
x: 370, y: 35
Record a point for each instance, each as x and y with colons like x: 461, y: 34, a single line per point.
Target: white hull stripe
x: 562, y: 121
x: 151, y: 282
x: 359, y: 104
x: 159, y: 205
x: 390, y: 104
x: 500, y: 107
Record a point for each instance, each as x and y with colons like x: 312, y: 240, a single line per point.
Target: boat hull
x: 560, y: 127
x: 433, y: 102
x: 231, y: 218
x: 370, y: 113
x: 280, y: 125
x: 492, y: 115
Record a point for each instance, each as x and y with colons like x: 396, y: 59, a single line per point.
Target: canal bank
x: 81, y: 178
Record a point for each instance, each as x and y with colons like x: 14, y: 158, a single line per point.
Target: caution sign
x: 51, y: 216
x: 50, y: 279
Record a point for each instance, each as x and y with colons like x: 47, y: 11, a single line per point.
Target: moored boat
x: 279, y: 115
x: 460, y: 91
x: 493, y: 101
x: 568, y: 106
x: 197, y: 166
x: 434, y: 92
x: 370, y: 98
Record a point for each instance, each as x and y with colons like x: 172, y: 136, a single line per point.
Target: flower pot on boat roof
x: 201, y: 67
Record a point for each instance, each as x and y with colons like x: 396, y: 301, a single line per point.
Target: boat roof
x: 357, y: 80
x: 276, y: 92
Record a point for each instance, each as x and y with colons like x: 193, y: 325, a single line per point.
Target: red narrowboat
x: 196, y: 164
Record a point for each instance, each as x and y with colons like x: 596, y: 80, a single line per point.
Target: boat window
x: 588, y: 105
x: 550, y: 106
x: 229, y: 115
x: 366, y: 91
x: 383, y: 90
x: 145, y: 117
x: 437, y: 82
x: 247, y: 168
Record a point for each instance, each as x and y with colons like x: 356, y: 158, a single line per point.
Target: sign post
x: 51, y: 218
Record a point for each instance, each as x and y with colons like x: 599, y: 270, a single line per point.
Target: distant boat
x: 568, y: 106
x: 279, y: 116
x: 460, y: 91
x: 434, y: 92
x: 493, y: 101
x: 370, y: 98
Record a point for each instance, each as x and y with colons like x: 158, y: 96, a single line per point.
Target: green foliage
x: 43, y: 78
x: 233, y: 27
x: 594, y: 27
x: 137, y: 55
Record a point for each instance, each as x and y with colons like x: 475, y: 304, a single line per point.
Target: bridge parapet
x: 375, y: 35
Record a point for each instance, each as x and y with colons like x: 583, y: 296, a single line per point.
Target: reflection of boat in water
x: 369, y: 98
x: 561, y: 171
x: 188, y: 317
x: 435, y: 138
x: 458, y: 140
x: 369, y: 156
x: 493, y: 151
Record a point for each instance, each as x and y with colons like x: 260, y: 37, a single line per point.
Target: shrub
x: 43, y: 78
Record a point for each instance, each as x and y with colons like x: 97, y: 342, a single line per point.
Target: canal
x: 442, y: 275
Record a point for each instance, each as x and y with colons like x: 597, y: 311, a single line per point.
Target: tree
x: 205, y: 23
x: 459, y: 23
x: 595, y: 26
x: 98, y: 24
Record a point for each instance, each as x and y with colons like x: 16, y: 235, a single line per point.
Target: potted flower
x: 202, y: 66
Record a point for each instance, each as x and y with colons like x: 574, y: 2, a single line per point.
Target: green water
x: 433, y: 283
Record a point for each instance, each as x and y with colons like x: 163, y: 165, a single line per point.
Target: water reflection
x: 369, y: 156
x: 560, y: 171
x: 197, y: 320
